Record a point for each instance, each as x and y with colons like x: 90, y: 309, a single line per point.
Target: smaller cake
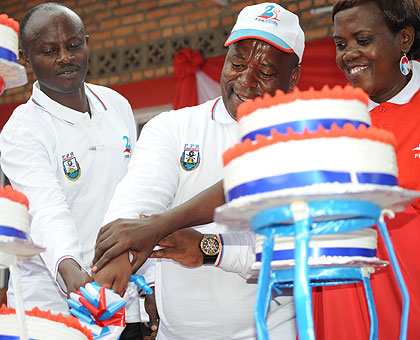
x: 356, y: 248
x: 13, y: 74
x: 303, y: 110
x: 14, y: 223
x: 42, y: 326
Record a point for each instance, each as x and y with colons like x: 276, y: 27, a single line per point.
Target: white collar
x: 219, y: 112
x: 64, y: 113
x: 409, y: 90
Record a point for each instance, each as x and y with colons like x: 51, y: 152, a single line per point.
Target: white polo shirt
x: 178, y: 155
x: 68, y: 165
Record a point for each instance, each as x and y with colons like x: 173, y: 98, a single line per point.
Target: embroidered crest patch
x: 71, y: 167
x: 127, y: 149
x: 190, y: 158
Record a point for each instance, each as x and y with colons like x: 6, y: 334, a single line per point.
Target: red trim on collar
x: 214, y: 107
x: 97, y: 97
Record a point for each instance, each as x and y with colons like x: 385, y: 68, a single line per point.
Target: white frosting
x: 39, y: 328
x: 342, y: 154
x: 13, y: 214
x: 364, y: 238
x: 299, y: 110
x: 9, y: 39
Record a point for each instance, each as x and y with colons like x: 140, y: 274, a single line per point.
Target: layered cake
x: 311, y: 146
x: 308, y: 145
x: 11, y: 73
x: 42, y: 326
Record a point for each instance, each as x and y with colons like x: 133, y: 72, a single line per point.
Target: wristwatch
x: 210, y: 246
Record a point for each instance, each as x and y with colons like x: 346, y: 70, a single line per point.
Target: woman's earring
x: 405, y: 65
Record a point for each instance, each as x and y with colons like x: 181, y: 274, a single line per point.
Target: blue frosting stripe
x: 305, y: 178
x: 12, y: 232
x: 376, y: 178
x: 7, y: 54
x: 11, y: 337
x: 299, y: 126
x: 289, y: 254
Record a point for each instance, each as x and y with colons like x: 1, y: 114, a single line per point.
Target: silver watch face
x: 210, y: 245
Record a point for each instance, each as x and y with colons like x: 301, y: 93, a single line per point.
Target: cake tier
x: 14, y: 219
x: 14, y: 224
x: 302, y: 110
x: 43, y: 326
x: 355, y: 248
x: 9, y: 42
x: 363, y: 156
x: 11, y: 71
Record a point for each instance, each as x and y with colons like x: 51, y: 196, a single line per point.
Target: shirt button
x: 382, y: 109
x: 383, y: 126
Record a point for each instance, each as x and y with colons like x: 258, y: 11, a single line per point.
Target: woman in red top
x: 372, y: 38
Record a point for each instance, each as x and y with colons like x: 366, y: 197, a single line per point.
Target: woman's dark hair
x: 28, y: 15
x: 397, y: 14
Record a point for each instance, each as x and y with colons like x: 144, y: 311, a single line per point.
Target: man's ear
x: 24, y: 56
x: 406, y: 36
x: 87, y: 36
x: 294, y: 77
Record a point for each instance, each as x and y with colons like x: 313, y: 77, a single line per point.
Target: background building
x: 133, y: 42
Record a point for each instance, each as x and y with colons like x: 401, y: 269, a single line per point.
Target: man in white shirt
x: 65, y: 149
x: 179, y: 154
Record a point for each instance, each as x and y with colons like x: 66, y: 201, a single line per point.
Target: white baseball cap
x: 271, y: 23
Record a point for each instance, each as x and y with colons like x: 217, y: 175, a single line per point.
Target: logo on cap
x: 270, y: 13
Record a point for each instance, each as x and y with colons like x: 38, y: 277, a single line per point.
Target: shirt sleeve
x: 152, y: 179
x: 238, y: 253
x: 29, y: 164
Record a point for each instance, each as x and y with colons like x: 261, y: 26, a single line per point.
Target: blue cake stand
x: 302, y: 219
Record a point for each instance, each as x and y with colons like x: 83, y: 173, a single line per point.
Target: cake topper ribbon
x: 102, y: 310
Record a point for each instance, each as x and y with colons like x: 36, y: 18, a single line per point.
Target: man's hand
x: 74, y: 277
x: 151, y: 309
x: 123, y: 235
x: 115, y: 275
x: 141, y: 235
x: 181, y: 246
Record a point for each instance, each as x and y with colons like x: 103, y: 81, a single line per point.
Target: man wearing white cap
x: 179, y: 154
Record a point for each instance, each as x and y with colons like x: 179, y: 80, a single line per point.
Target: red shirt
x: 341, y: 311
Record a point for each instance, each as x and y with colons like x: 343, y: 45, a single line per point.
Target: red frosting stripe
x: 337, y: 92
x: 13, y: 195
x: 348, y: 130
x: 5, y: 20
x: 69, y: 321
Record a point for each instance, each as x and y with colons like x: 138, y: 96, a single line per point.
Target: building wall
x: 134, y: 40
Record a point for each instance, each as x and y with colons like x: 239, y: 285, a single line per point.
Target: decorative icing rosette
x: 101, y: 310
x: 11, y: 73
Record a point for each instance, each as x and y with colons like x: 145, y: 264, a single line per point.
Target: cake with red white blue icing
x: 42, y: 326
x: 308, y: 145
x: 302, y: 110
x: 11, y: 73
x: 311, y: 146
x: 14, y: 223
